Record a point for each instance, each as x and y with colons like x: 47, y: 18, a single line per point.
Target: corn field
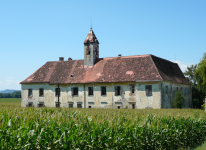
x: 50, y: 128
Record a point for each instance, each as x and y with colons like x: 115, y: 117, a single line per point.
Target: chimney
x: 69, y: 58
x: 61, y: 58
x: 119, y: 55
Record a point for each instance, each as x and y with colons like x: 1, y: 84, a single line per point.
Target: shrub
x: 178, y: 100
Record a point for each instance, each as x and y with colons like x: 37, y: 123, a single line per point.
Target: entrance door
x: 133, y: 106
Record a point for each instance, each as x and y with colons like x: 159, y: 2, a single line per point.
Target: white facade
x: 158, y: 99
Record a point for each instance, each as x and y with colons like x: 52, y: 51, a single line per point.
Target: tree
x: 200, y: 74
x: 190, y: 74
x: 178, y: 100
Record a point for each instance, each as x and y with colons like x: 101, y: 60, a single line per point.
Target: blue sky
x: 34, y: 32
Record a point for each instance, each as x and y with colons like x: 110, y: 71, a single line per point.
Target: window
x: 166, y: 89
x: 41, y: 92
x: 90, y: 106
x: 91, y: 103
x: 103, y: 90
x: 75, y: 91
x: 186, y: 90
x: 41, y: 104
x: 30, y: 92
x: 176, y: 89
x: 79, y: 105
x: 104, y: 103
x: 70, y: 105
x: 118, y: 90
x: 30, y: 105
x: 118, y: 107
x: 181, y: 90
x: 148, y: 90
x: 133, y: 106
x: 90, y: 91
x: 88, y: 51
x: 132, y: 89
x: 57, y: 91
x: 58, y: 105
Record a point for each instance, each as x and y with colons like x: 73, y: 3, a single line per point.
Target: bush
x: 178, y: 100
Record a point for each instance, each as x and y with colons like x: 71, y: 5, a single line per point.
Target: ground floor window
x: 79, y: 105
x: 133, y: 106
x: 57, y: 104
x: 30, y: 105
x: 70, y: 105
x: 41, y: 105
x: 90, y: 106
x: 118, y: 107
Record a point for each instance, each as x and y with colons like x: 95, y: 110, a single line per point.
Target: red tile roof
x: 140, y: 68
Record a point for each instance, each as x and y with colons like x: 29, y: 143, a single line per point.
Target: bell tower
x: 91, y: 49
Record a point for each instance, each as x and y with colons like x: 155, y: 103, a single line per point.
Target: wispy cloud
x: 183, y: 66
x: 9, y: 83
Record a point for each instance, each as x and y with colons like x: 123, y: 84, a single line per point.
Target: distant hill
x: 9, y: 91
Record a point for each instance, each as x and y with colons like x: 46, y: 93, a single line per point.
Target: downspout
x: 112, y: 96
x: 58, y: 95
x: 84, y: 97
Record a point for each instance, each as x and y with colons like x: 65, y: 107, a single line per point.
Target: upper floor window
x: 132, y: 89
x: 118, y: 90
x: 166, y: 89
x: 181, y: 90
x: 148, y: 90
x: 176, y: 89
x: 103, y: 90
x: 90, y: 91
x: 57, y: 91
x: 75, y: 91
x: 30, y: 92
x: 41, y: 92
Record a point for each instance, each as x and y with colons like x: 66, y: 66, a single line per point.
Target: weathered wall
x: 144, y: 101
x: 157, y: 100
x: 168, y: 98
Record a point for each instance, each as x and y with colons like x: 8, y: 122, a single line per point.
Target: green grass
x: 10, y: 100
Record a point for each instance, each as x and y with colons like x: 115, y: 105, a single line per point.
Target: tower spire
x: 91, y: 21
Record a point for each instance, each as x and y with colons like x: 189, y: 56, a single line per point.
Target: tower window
x: 88, y: 51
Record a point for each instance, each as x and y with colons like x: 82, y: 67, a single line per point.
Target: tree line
x: 196, y: 74
x: 16, y: 94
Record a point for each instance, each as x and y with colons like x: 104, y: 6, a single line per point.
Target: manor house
x: 137, y: 82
